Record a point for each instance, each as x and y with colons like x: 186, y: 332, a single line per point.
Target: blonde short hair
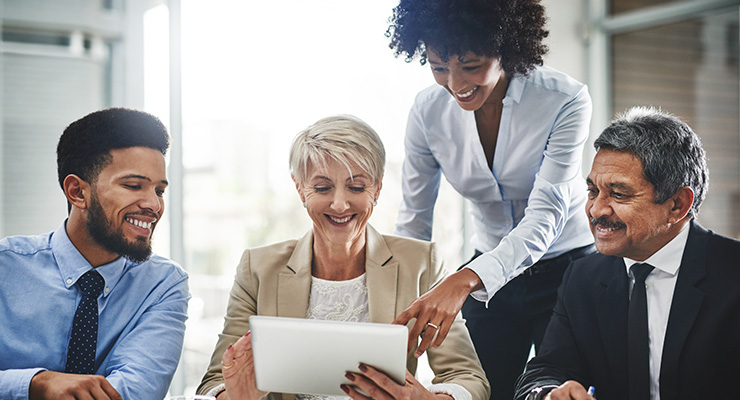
x: 344, y: 138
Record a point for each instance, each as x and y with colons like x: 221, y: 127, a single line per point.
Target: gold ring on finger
x: 432, y: 325
x: 226, y: 366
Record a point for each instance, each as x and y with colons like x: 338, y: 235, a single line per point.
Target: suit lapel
x: 612, y: 316
x: 382, y: 278
x: 294, y: 283
x: 687, y: 301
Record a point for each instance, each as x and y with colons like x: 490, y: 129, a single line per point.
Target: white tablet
x: 307, y: 356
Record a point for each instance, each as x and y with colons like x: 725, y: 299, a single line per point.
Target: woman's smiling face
x: 339, y: 201
x: 469, y: 78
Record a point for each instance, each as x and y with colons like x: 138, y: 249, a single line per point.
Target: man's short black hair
x: 85, y: 145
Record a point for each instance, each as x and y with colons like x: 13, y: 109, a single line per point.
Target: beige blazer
x: 276, y: 280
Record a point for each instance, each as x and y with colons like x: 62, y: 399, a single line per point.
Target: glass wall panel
x: 48, y: 79
x: 691, y: 69
x: 621, y: 6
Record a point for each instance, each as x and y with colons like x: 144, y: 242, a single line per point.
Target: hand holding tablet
x: 237, y: 367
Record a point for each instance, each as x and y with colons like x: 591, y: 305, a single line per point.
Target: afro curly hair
x: 511, y: 29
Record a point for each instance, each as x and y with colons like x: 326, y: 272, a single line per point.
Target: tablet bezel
x: 308, y: 356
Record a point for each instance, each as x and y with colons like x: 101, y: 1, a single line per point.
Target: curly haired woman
x: 508, y: 134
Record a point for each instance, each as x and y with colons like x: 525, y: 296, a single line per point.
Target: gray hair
x: 670, y: 152
x: 344, y: 138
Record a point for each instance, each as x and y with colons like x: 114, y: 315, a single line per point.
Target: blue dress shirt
x: 531, y: 205
x: 143, y: 309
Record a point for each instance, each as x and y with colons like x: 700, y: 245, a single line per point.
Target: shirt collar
x: 516, y: 88
x: 667, y: 258
x: 72, y: 265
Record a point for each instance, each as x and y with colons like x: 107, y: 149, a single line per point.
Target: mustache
x: 603, y: 221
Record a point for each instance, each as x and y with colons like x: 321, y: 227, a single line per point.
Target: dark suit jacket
x: 586, y: 340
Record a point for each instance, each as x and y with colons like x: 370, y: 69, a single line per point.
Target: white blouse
x: 337, y: 301
x: 530, y: 205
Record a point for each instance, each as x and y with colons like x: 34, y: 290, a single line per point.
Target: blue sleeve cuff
x: 14, y: 383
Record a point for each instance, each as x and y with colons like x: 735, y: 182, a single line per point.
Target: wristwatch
x: 540, y: 392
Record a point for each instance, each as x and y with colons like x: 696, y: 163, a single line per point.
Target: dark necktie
x: 84, y: 339
x: 638, y: 347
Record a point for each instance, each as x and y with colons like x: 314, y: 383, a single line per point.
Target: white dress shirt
x: 531, y: 205
x: 659, y: 287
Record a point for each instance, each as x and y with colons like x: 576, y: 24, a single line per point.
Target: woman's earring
x: 304, y: 204
x: 375, y: 203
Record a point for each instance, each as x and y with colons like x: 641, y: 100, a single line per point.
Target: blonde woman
x: 342, y: 269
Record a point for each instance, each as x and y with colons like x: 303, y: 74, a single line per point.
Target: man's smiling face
x: 127, y: 202
x: 623, y: 218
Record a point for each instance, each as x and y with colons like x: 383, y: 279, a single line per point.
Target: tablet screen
x: 306, y: 356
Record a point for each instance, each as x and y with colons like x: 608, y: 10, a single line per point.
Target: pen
x: 591, y: 390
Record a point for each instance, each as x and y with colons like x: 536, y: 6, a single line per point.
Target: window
x: 685, y: 60
x: 690, y: 69
x: 254, y: 75
x: 622, y: 6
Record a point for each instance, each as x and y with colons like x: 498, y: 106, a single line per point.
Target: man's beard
x: 101, y: 230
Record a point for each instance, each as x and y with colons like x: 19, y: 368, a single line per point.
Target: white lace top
x: 337, y: 301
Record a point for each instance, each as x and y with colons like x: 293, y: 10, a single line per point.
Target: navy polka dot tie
x: 84, y: 339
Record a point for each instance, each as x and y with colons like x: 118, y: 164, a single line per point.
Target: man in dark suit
x: 672, y: 335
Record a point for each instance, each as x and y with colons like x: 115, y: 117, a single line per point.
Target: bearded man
x: 87, y: 311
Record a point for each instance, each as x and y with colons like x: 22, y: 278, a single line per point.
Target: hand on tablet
x: 237, y: 366
x: 435, y: 310
x: 378, y: 385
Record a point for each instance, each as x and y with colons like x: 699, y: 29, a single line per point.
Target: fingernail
x: 363, y: 368
x: 248, y: 333
x: 231, y: 346
x: 344, y: 388
x: 349, y: 376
